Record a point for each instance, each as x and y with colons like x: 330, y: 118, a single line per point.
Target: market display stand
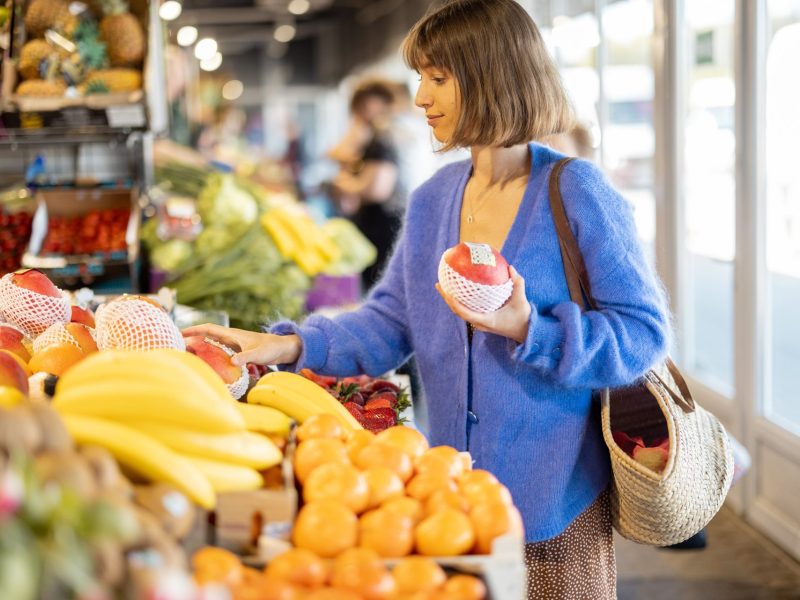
x: 124, y: 126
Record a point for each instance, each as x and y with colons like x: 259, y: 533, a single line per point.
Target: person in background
x: 575, y: 142
x: 513, y: 387
x: 368, y: 184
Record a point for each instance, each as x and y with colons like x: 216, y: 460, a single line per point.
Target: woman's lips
x: 433, y: 118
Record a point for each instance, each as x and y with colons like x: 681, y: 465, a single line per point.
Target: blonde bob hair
x: 509, y: 89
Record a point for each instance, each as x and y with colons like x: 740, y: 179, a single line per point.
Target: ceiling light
x: 211, y: 64
x: 232, y: 90
x: 187, y: 35
x: 170, y: 10
x: 285, y: 33
x: 299, y: 7
x: 205, y: 49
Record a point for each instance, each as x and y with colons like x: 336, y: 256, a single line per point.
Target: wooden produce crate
x: 241, y: 517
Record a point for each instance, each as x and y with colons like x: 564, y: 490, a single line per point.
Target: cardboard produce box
x: 71, y: 203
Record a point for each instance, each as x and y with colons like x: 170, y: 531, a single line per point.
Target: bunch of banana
x: 299, y: 398
x: 166, y: 415
x: 300, y: 239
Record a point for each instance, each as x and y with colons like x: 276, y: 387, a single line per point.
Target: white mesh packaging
x: 238, y: 387
x: 55, y: 334
x: 135, y: 324
x: 26, y: 341
x: 479, y: 297
x: 30, y: 311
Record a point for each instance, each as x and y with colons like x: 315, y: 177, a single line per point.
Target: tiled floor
x: 738, y: 564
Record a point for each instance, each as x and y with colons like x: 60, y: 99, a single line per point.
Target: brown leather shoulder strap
x: 574, y: 268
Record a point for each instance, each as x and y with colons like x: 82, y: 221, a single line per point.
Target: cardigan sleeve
x: 373, y: 339
x: 630, y: 331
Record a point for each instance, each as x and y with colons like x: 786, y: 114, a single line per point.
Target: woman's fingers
x: 224, y: 335
x: 478, y: 320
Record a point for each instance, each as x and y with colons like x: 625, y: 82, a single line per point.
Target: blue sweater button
x: 472, y: 417
x: 556, y: 352
x: 534, y: 347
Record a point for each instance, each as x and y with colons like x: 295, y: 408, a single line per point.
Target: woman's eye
x: 438, y: 80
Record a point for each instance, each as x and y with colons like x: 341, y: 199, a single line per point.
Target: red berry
x: 390, y: 397
x: 379, y: 419
x: 378, y: 403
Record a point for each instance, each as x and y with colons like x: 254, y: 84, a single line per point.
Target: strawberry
x: 378, y: 419
x: 380, y: 385
x: 359, y: 380
x: 354, y: 408
x: 378, y: 403
x: 322, y: 380
x: 389, y: 396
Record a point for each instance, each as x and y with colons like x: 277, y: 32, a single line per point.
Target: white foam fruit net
x: 26, y: 341
x: 133, y: 324
x: 479, y: 297
x: 238, y: 387
x: 55, y: 334
x: 30, y: 311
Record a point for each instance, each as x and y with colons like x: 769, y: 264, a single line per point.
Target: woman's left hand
x: 511, y: 320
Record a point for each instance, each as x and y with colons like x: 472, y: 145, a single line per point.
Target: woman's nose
x: 422, y: 99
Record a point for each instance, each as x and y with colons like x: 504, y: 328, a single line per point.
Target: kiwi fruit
x: 103, y: 466
x: 55, y: 437
x: 172, y: 508
x: 19, y: 430
x: 69, y: 469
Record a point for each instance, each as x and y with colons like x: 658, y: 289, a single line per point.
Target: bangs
x: 422, y: 50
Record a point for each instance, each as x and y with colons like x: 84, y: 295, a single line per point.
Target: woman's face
x: 438, y: 95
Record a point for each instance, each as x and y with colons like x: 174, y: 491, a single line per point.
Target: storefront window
x: 710, y: 188
x: 783, y: 212
x: 628, y: 144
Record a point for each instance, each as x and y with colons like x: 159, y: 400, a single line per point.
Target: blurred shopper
x: 368, y: 184
x: 513, y: 387
x: 577, y: 141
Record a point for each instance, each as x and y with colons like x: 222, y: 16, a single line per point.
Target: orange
x: 358, y: 439
x: 320, y: 426
x: 491, y: 519
x: 215, y: 565
x: 418, y: 574
x: 383, y: 484
x: 448, y: 532
x: 313, y: 453
x: 409, y: 507
x: 445, y: 498
x: 275, y: 589
x: 367, y: 578
x: 441, y: 458
x: 331, y: 594
x: 465, y: 587
x: 389, y: 534
x: 476, y: 476
x: 410, y: 441
x: 56, y: 359
x: 250, y: 587
x: 298, y: 566
x: 338, y: 481
x: 424, y: 484
x: 476, y: 492
x: 325, y: 527
x: 357, y: 556
x: 22, y: 364
x: 379, y: 454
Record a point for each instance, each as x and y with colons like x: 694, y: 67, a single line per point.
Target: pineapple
x: 31, y: 57
x: 114, y: 80
x: 92, y: 51
x: 49, y: 14
x: 122, y: 33
x: 40, y: 87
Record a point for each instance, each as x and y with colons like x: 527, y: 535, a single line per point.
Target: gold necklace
x: 470, y: 211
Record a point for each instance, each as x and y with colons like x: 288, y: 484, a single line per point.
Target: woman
x: 369, y: 178
x: 515, y: 388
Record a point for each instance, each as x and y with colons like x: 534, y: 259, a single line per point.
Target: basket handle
x: 580, y: 290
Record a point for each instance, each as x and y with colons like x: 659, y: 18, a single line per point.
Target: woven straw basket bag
x: 665, y: 508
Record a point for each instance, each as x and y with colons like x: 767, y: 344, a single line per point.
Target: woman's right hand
x: 250, y: 346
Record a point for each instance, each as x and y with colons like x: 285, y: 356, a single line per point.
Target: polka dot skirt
x: 577, y: 564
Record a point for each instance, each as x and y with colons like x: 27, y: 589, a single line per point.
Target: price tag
x: 126, y: 116
x: 481, y: 254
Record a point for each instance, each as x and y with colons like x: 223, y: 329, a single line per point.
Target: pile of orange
x: 356, y: 574
x: 393, y: 495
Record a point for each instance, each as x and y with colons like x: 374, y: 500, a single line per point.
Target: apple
x: 13, y: 340
x: 12, y: 374
x: 83, y: 336
x: 480, y: 263
x: 217, y: 358
x: 654, y: 459
x: 82, y: 315
x: 35, y: 281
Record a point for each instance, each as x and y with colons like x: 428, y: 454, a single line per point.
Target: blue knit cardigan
x: 524, y: 411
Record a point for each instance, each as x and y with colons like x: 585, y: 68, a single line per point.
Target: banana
x: 143, y: 454
x: 264, y: 418
x: 10, y: 396
x: 284, y: 240
x: 295, y: 406
x: 162, y: 368
x: 145, y: 400
x: 202, y: 369
x: 305, y: 388
x: 225, y: 477
x: 244, y: 448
